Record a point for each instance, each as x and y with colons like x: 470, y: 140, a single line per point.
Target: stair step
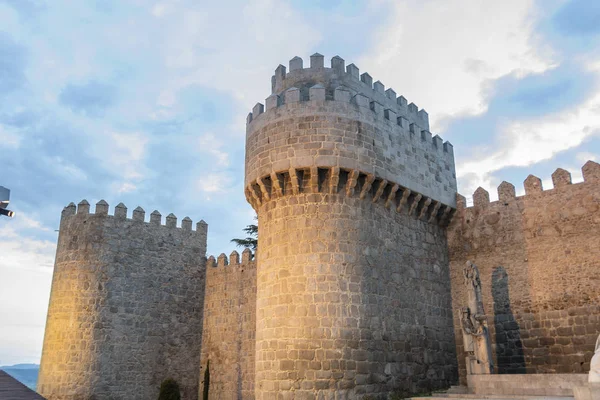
x: 458, y: 389
x: 459, y: 396
x: 505, y: 396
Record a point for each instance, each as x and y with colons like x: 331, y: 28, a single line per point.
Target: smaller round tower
x: 126, y: 305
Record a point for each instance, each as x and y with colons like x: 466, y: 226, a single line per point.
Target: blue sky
x: 144, y: 102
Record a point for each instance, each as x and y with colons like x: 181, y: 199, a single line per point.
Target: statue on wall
x: 476, y: 338
x: 594, y: 376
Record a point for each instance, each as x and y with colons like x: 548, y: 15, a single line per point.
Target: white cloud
x: 200, y: 49
x: 160, y: 9
x: 9, y: 139
x: 209, y: 143
x: 25, y: 278
x: 442, y: 54
x: 126, y: 152
x: 446, y: 55
x: 67, y: 169
x: 24, y: 221
x: 215, y: 182
x: 584, y: 157
x: 530, y: 141
x: 126, y: 187
x: 24, y: 252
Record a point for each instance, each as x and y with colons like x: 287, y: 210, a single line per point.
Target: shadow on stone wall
x: 509, y: 348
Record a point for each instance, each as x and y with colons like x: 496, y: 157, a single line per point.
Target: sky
x: 144, y: 102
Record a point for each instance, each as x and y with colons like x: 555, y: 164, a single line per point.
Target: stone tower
x: 352, y: 195
x: 125, y: 307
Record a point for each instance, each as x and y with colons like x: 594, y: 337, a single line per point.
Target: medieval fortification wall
x: 229, y: 327
x: 126, y: 305
x: 538, y: 258
x: 352, y: 194
x: 362, y: 244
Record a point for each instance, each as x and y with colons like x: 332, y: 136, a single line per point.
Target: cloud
x: 200, y: 50
x: 585, y: 156
x: 532, y: 119
x: 214, y: 183
x: 493, y: 85
x: 210, y: 144
x: 126, y: 151
x: 25, y: 277
x: 9, y: 139
x: 443, y: 55
x: 91, y: 99
x: 25, y: 251
x: 126, y: 188
x: 13, y: 60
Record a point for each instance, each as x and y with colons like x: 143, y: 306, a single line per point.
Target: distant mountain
x: 27, y: 374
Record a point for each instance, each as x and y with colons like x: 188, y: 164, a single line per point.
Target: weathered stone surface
x: 300, y: 131
x: 352, y: 281
x: 356, y: 308
x: 350, y: 296
x: 539, y: 260
x: 229, y: 329
x: 125, y: 310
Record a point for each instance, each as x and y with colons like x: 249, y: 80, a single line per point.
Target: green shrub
x: 206, y: 381
x: 169, y: 390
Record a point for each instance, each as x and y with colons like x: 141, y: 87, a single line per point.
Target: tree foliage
x: 169, y: 390
x: 206, y: 381
x: 251, y: 241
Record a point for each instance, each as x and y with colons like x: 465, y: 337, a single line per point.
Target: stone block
x: 295, y: 64
x: 317, y: 61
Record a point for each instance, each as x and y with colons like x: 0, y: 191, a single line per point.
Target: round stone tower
x: 126, y: 306
x: 352, y: 195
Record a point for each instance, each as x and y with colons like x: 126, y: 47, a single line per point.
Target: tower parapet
x: 341, y: 121
x: 352, y: 195
x: 126, y: 304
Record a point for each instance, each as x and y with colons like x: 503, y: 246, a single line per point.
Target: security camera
x: 4, y: 200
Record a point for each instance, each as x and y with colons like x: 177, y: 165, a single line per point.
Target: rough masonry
x: 352, y: 195
x: 229, y: 326
x: 358, y: 285
x: 539, y: 259
x: 125, y: 308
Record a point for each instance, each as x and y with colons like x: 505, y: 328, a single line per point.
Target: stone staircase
x: 515, y: 387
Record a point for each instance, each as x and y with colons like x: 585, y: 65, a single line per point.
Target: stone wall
x: 229, y: 327
x: 539, y: 261
x: 352, y: 280
x: 126, y: 306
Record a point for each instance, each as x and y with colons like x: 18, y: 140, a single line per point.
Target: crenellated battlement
x: 138, y: 215
x: 338, y: 83
x: 335, y: 118
x: 561, y: 180
x: 234, y: 259
x: 343, y: 84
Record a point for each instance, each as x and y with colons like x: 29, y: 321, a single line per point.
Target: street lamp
x: 4, y: 200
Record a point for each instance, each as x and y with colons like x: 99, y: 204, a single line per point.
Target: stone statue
x: 591, y: 391
x: 476, y: 338
x: 594, y: 376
